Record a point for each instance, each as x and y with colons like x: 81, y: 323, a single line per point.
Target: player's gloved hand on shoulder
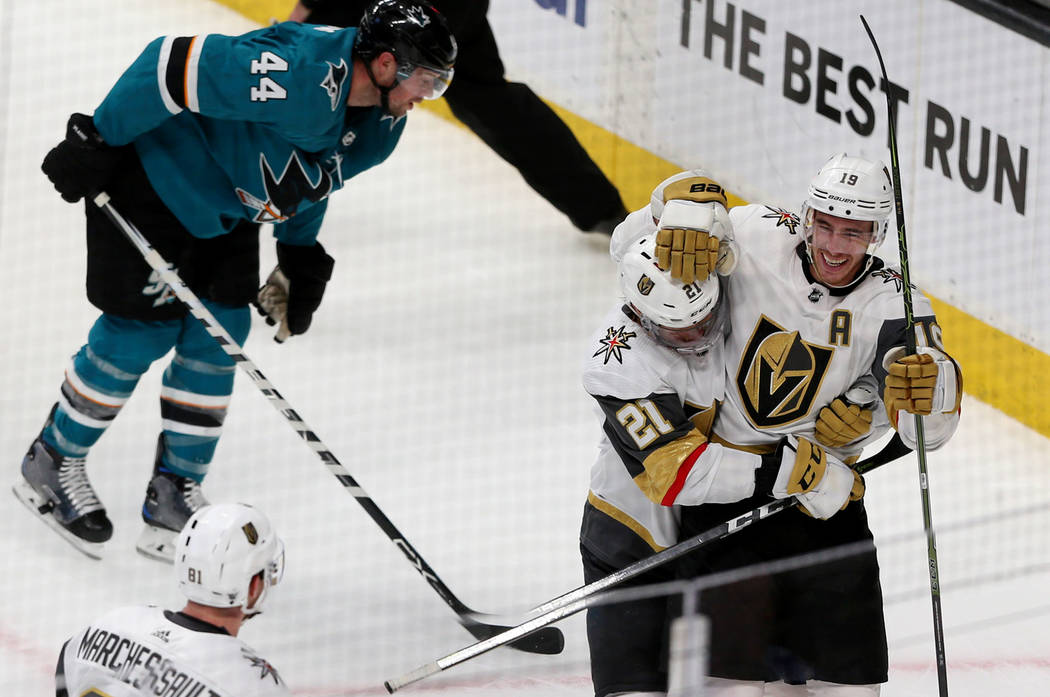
x: 294, y: 289
x: 921, y: 383
x: 822, y: 484
x: 81, y: 163
x: 694, y: 237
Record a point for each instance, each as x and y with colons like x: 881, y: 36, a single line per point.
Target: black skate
x: 56, y: 489
x: 170, y: 501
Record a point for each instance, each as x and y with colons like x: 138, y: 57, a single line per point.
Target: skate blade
x: 34, y: 502
x: 157, y: 543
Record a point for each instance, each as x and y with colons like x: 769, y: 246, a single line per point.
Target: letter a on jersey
x: 779, y: 375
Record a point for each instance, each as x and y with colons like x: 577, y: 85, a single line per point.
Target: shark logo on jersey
x: 285, y: 193
x: 265, y: 669
x: 614, y: 344
x: 783, y: 218
x: 333, y: 82
x: 779, y: 375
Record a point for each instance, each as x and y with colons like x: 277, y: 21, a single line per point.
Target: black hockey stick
x: 572, y: 602
x: 547, y: 641
x: 910, y: 339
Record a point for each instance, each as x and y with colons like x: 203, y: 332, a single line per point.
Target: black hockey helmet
x: 415, y: 32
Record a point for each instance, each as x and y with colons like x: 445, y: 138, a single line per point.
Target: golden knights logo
x: 645, y: 285
x: 780, y: 375
x: 250, y: 532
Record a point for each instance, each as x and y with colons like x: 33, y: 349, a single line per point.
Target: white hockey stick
x: 548, y: 641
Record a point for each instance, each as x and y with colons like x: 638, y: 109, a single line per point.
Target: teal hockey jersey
x: 251, y: 127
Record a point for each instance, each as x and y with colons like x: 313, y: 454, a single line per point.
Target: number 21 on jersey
x: 643, y: 421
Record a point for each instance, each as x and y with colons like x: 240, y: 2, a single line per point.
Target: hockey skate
x: 170, y: 501
x: 56, y: 489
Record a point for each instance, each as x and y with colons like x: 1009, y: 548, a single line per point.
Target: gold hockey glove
x: 921, y: 383
x: 822, y: 484
x: 840, y: 423
x: 694, y: 236
x: 690, y: 255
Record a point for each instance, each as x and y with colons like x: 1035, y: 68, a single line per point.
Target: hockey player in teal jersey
x: 200, y: 140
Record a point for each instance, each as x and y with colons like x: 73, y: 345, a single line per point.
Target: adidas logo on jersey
x: 162, y: 634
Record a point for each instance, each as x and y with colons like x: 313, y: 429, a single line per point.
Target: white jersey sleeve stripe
x: 162, y: 75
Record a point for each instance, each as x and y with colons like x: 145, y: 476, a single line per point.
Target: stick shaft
x: 911, y: 343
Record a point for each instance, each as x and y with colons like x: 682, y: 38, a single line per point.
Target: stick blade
x: 546, y: 640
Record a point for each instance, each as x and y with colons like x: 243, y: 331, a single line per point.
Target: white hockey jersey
x: 656, y: 406
x: 139, y: 651
x: 795, y: 344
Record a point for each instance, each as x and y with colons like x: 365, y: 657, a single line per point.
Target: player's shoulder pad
x: 884, y: 285
x: 623, y: 360
x: 760, y: 227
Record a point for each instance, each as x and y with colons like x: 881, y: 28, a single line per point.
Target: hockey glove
x: 81, y: 163
x: 694, y: 236
x: 841, y: 423
x: 822, y: 484
x: 921, y: 383
x: 294, y: 289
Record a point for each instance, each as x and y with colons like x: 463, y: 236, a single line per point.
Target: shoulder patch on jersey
x: 265, y: 669
x: 784, y: 219
x: 333, y: 82
x: 614, y: 343
x: 892, y: 276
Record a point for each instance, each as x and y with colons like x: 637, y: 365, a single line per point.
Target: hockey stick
x: 572, y: 602
x: 910, y: 339
x: 548, y: 641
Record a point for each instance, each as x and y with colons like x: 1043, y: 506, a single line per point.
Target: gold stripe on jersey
x: 698, y: 189
x: 701, y: 416
x: 662, y: 465
x: 757, y: 449
x: 763, y: 448
x: 623, y: 519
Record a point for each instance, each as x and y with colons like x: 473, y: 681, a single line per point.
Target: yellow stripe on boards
x: 262, y: 11
x: 998, y: 369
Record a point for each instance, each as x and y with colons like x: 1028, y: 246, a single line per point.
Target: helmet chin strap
x: 384, y: 92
